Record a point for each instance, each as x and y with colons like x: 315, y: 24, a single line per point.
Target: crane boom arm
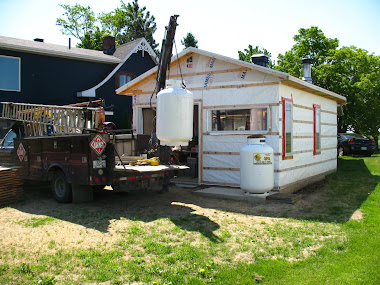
x: 166, y: 53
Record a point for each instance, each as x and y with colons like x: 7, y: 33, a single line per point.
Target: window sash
x: 317, y: 129
x: 10, y: 73
x: 287, y: 128
x: 234, y: 120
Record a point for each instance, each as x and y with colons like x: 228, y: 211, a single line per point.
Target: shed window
x: 287, y: 128
x: 10, y: 73
x: 239, y: 120
x: 317, y: 129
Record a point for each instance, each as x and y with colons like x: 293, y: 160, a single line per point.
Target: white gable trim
x: 143, y: 45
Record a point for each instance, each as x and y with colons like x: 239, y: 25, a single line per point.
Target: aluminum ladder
x: 41, y: 120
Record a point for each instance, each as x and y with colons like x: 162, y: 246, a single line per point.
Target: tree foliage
x: 126, y: 23
x: 78, y: 21
x: 189, y: 41
x: 349, y: 71
x: 310, y: 43
x: 130, y: 22
x: 248, y: 52
x: 355, y: 74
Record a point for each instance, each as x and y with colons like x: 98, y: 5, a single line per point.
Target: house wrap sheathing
x: 237, y: 99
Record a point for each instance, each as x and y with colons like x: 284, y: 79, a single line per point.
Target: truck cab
x: 7, y: 157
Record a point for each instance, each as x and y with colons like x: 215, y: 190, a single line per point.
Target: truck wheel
x: 61, y: 189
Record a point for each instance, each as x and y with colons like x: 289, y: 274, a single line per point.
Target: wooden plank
x: 221, y: 183
x: 222, y: 152
x: 234, y: 86
x: 212, y: 87
x: 240, y: 106
x: 210, y: 72
x: 221, y: 168
x: 302, y: 166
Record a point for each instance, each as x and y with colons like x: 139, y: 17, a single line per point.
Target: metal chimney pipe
x: 306, y: 70
x: 260, y: 59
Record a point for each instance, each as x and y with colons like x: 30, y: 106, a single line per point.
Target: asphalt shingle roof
x: 56, y: 50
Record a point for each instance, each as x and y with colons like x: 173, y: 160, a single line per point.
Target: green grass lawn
x: 331, y: 236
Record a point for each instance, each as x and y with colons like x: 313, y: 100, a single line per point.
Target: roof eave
x: 309, y: 87
x: 111, y: 60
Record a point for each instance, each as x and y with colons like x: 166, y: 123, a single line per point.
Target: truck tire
x: 62, y: 191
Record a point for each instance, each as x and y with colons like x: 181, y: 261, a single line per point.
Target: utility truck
x: 75, y: 149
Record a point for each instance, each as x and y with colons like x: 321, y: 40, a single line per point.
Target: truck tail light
x: 373, y: 142
x: 351, y: 141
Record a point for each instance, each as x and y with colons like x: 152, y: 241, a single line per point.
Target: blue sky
x: 220, y: 26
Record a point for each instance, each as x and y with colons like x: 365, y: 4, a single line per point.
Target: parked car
x: 350, y: 143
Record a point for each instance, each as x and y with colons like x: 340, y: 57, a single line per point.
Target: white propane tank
x: 256, y: 166
x: 174, y: 115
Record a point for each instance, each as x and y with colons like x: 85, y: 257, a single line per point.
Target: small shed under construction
x: 234, y: 99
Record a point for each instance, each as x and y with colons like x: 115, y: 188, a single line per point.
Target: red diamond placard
x: 21, y: 152
x: 98, y: 144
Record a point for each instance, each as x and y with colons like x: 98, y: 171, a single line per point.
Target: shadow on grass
x: 336, y: 199
x: 109, y: 205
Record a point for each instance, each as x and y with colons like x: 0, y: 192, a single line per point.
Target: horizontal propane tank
x: 174, y: 114
x: 256, y: 166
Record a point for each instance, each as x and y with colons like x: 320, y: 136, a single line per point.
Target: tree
x: 311, y: 43
x: 248, y: 52
x: 348, y: 71
x: 79, y: 22
x: 189, y: 41
x: 130, y: 22
x: 355, y: 74
x: 127, y: 23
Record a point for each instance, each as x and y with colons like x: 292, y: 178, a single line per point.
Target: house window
x: 123, y: 78
x: 287, y: 128
x: 317, y: 129
x: 10, y: 73
x: 239, y: 120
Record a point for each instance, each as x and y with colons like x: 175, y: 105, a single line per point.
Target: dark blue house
x: 41, y: 73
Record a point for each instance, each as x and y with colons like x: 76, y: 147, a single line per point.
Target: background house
x: 235, y: 99
x: 42, y: 73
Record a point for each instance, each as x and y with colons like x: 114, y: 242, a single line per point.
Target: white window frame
x: 316, y: 129
x: 19, y: 74
x: 209, y: 123
x: 287, y: 155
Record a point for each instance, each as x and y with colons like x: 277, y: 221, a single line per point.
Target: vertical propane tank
x: 256, y: 166
x: 174, y: 115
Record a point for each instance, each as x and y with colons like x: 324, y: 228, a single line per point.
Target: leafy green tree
x: 355, y: 74
x: 130, y: 22
x: 189, y: 41
x: 93, y: 39
x: 311, y: 43
x: 248, y: 52
x: 348, y: 71
x: 79, y: 22
x: 126, y: 23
